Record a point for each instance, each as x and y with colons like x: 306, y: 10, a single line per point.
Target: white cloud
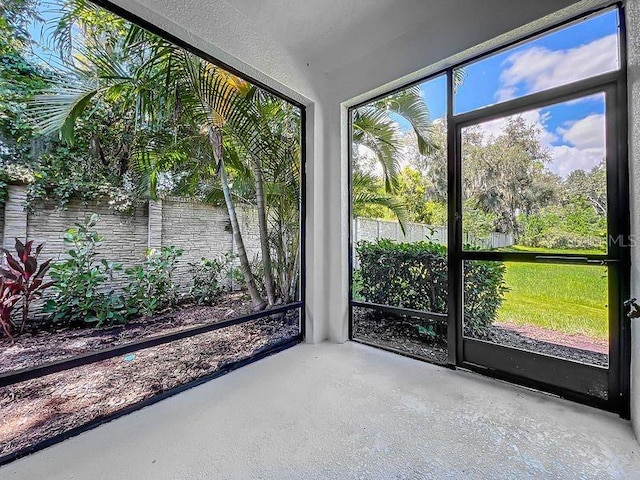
x: 495, y: 128
x: 538, y: 68
x: 566, y: 159
x: 588, y: 132
x: 584, y: 145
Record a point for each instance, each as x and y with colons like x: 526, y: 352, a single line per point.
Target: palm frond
x: 410, y: 105
x: 366, y: 191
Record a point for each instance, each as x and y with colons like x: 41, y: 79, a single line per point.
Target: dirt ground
x: 38, y: 409
x: 403, y: 335
x: 399, y: 334
x: 541, y: 340
x: 46, y: 346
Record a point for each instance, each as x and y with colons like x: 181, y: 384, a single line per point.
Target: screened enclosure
x: 152, y: 213
x: 489, y: 210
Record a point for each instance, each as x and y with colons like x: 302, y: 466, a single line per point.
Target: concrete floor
x: 347, y: 411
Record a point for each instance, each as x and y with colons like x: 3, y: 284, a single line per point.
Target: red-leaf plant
x: 24, y: 277
x: 8, y: 299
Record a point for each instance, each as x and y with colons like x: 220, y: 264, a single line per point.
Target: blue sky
x: 573, y: 131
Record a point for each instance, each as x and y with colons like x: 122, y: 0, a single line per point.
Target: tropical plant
x: 151, y: 286
x: 375, y: 130
x: 208, y: 278
x: 24, y: 276
x: 371, y: 200
x: 202, y: 108
x: 8, y: 300
x: 81, y: 294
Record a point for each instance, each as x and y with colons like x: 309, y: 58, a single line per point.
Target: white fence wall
x: 371, y: 229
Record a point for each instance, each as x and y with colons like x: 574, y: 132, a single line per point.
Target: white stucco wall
x: 633, y: 45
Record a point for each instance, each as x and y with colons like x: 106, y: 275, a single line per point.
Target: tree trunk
x: 215, y: 138
x: 264, y: 234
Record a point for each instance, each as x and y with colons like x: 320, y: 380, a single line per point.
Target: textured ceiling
x: 330, y: 33
x: 359, y: 44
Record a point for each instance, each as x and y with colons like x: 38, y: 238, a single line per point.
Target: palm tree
x: 376, y: 131
x: 165, y: 86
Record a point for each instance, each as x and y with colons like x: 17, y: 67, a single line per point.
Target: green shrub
x: 81, y: 293
x: 209, y: 278
x: 151, y: 287
x: 484, y: 288
x: 414, y: 275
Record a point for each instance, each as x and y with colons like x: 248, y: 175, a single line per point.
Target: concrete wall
x: 633, y: 45
x: 201, y: 230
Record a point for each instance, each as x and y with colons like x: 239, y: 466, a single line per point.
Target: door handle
x: 561, y: 259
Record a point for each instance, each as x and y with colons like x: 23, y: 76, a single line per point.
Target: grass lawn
x: 566, y: 298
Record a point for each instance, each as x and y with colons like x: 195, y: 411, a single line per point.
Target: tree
x: 375, y: 130
x: 19, y: 79
x: 371, y: 200
x: 189, y: 119
x: 589, y: 187
x: 506, y: 175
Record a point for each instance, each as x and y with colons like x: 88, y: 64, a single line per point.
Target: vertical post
x: 15, y: 215
x: 154, y: 225
x: 354, y: 258
x: 454, y: 234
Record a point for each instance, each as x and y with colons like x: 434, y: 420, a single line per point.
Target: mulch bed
x: 38, y: 409
x: 47, y: 346
x: 571, y: 347
x: 402, y: 334
x: 398, y: 333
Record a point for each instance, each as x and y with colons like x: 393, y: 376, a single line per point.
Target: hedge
x: 414, y: 275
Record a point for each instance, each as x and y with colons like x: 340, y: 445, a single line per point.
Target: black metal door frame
x: 565, y: 377
x: 562, y: 377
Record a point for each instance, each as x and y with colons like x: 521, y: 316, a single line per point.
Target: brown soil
x: 47, y: 346
x: 399, y: 333
x: 38, y: 409
x: 579, y: 348
x: 578, y: 341
x: 402, y: 334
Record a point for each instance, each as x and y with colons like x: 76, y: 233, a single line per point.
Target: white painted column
x: 633, y: 45
x: 154, y: 232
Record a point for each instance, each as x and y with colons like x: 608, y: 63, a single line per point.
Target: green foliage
x: 80, y: 289
x: 209, y: 278
x: 414, y: 275
x: 151, y: 287
x: 483, y: 294
x: 24, y: 276
x: 577, y: 221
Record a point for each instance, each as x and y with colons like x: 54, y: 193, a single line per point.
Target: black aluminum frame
x: 13, y: 377
x: 613, y: 84
x: 550, y: 372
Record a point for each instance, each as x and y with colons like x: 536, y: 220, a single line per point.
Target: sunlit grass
x: 566, y: 298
